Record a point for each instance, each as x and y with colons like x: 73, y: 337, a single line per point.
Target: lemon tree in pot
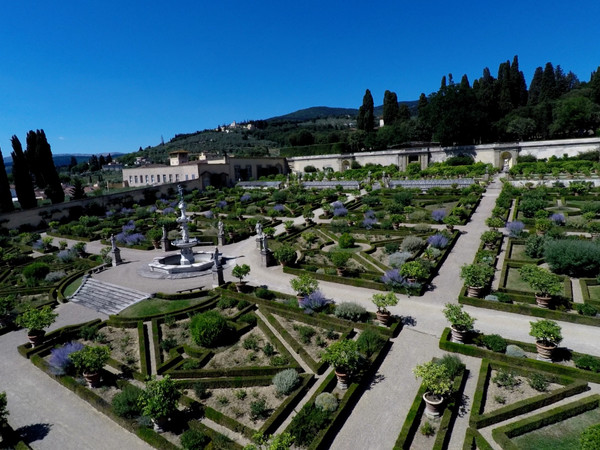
x: 304, y: 285
x: 89, y: 361
x: 159, y: 400
x: 476, y: 276
x: 240, y: 272
x: 344, y: 357
x: 382, y: 301
x: 35, y: 320
x: 416, y: 270
x: 548, y: 335
x: 543, y: 282
x: 438, y: 384
x: 461, y: 322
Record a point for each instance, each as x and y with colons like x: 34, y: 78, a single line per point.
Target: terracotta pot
x: 92, y: 379
x: 434, y: 405
x: 241, y: 286
x: 384, y: 318
x: 474, y: 291
x: 36, y: 338
x: 542, y: 301
x: 459, y: 336
x: 544, y: 351
x: 343, y: 379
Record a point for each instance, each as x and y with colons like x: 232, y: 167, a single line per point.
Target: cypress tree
x: 34, y: 160
x: 53, y: 187
x: 22, y: 177
x: 535, y: 87
x: 77, y: 191
x: 548, y: 88
x: 391, y: 112
x: 403, y: 113
x: 366, y: 117
x: 6, y: 204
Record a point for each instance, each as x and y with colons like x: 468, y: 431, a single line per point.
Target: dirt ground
x: 320, y: 337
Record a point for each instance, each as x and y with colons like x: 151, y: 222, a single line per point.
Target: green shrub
x: 259, y: 409
x: 307, y: 424
x: 242, y: 304
x: 36, y: 271
x: 506, y: 379
x: 391, y: 247
x: 268, y: 349
x: 126, y: 403
x: 538, y: 381
x: 573, y: 257
x: 326, y: 401
x: 193, y: 440
x: 412, y: 244
x: 226, y: 302
x: 88, y: 333
x: 248, y: 318
x: 278, y: 361
x: 350, y: 311
x: 588, y: 362
x: 427, y: 429
x: 590, y: 438
x: 250, y: 343
x: 370, y: 341
x: 168, y: 343
x: 286, y: 381
x: 208, y: 329
x: 586, y: 309
x: 346, y: 241
x: 201, y: 390
x: 495, y: 342
x: 453, y: 364
x: 264, y: 293
x: 306, y: 333
x: 190, y: 364
x: 534, y: 246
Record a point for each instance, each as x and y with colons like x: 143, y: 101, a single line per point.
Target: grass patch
x: 518, y: 253
x: 515, y: 282
x: 153, y: 306
x: 594, y: 293
x: 72, y: 287
x: 564, y: 435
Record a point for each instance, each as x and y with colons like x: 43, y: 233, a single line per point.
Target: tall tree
x: 22, y: 176
x: 78, y: 190
x: 391, y: 111
x: 6, y: 204
x: 34, y: 160
x: 53, y: 187
x: 548, y: 89
x: 366, y: 117
x: 535, y: 87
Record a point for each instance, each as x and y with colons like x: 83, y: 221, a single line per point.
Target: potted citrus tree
x: 543, y: 282
x: 548, y: 335
x: 382, y: 301
x: 154, y: 235
x: 461, y: 322
x: 476, y: 277
x: 414, y: 270
x: 344, y: 357
x: 240, y: 272
x: 451, y: 221
x: 89, y: 361
x: 340, y: 261
x: 159, y: 400
x: 286, y: 255
x: 304, y: 285
x: 438, y: 384
x: 35, y: 320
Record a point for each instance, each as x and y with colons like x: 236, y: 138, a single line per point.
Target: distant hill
x: 319, y: 112
x: 61, y: 160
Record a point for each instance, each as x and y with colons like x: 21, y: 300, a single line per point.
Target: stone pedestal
x: 187, y: 256
x: 259, y: 242
x: 217, y: 276
x: 221, y: 239
x: 115, y: 255
x: 166, y: 245
x: 266, y: 258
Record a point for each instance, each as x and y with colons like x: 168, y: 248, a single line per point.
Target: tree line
x: 492, y: 109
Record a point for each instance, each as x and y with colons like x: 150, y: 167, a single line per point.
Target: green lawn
x: 72, y: 287
x: 514, y: 281
x: 158, y: 306
x: 594, y: 293
x: 562, y: 435
x: 518, y: 252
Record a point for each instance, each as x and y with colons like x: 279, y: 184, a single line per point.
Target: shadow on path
x: 34, y: 432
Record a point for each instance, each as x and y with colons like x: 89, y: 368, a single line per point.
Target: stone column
x: 266, y: 254
x: 217, y: 270
x: 115, y: 252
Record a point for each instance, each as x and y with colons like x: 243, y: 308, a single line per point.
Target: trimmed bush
x: 534, y: 246
x: 208, y: 329
x: 412, y: 244
x: 126, y: 403
x: 495, y: 342
x: 193, y: 440
x: 346, y: 241
x: 588, y: 362
x: 369, y: 341
x: 226, y: 302
x: 36, y: 271
x: 264, y: 293
x: 326, y: 401
x: 590, y: 438
x: 573, y: 257
x: 586, y: 309
x: 351, y: 311
x: 307, y: 424
x: 286, y: 381
x: 515, y: 351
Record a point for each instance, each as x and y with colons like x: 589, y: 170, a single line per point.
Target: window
x: 136, y: 179
x: 164, y: 178
x: 186, y: 177
x: 170, y: 177
x: 130, y: 179
x: 146, y: 179
x: 193, y: 176
x: 152, y: 179
x: 176, y: 177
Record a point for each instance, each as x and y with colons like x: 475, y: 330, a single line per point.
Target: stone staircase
x: 105, y: 297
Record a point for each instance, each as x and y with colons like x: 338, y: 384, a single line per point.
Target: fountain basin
x: 170, y: 264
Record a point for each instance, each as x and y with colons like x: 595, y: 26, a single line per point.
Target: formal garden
x: 275, y: 368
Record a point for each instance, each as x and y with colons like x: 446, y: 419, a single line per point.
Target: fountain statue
x: 185, y: 244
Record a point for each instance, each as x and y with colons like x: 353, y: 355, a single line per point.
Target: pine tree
x: 366, y: 117
x: 391, y: 112
x: 77, y: 191
x: 6, y: 203
x: 22, y: 177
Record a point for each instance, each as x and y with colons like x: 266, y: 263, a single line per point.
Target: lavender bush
x: 337, y: 204
x: 278, y: 207
x: 209, y: 215
x: 438, y: 240
x: 515, y: 229
x: 393, y: 280
x: 59, y: 361
x: 245, y: 198
x: 340, y: 212
x: 222, y: 204
x: 65, y: 256
x: 558, y: 219
x: 110, y: 213
x: 438, y: 215
x: 368, y: 223
x: 126, y: 211
x: 314, y: 302
x: 168, y: 210
x: 129, y: 227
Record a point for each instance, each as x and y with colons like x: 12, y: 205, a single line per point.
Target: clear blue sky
x: 107, y: 76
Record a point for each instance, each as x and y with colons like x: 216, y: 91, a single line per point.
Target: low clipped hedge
x: 479, y: 420
x: 145, y: 363
x: 555, y: 369
x: 503, y: 435
x: 475, y: 441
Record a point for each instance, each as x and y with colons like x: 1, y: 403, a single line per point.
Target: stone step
x: 106, y: 297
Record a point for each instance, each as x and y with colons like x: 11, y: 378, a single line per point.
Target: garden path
x: 379, y: 413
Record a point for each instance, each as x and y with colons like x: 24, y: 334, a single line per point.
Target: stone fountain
x: 186, y: 263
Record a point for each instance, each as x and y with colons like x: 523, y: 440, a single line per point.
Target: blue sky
x: 111, y: 76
